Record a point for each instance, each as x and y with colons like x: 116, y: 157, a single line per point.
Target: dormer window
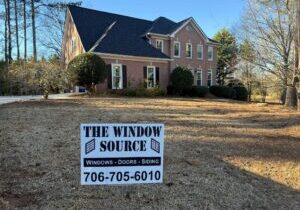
x: 160, y: 44
x: 210, y: 53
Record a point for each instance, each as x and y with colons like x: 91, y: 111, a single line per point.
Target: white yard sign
x: 121, y: 153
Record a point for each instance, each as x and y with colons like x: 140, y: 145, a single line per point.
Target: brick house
x: 139, y: 51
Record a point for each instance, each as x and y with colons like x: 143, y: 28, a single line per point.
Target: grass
x: 219, y: 154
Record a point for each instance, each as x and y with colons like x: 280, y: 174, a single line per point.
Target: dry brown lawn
x: 218, y: 155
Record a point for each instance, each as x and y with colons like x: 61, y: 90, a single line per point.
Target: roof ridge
x: 94, y: 10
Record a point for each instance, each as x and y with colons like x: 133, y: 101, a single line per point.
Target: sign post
x: 114, y: 154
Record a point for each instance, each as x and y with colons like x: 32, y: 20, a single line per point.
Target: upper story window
x: 73, y: 45
x: 209, y: 78
x: 200, y: 51
x: 188, y: 50
x: 177, y: 49
x: 160, y: 44
x: 210, y: 53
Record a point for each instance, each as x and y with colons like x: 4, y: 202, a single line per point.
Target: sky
x: 211, y: 15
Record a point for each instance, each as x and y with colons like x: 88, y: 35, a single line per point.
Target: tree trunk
x: 17, y: 29
x: 9, y: 32
x: 5, y: 34
x: 33, y: 30
x: 25, y: 29
x: 291, y: 96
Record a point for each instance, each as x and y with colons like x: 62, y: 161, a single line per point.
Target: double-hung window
x: 188, y: 50
x: 151, y: 80
x: 176, y: 49
x: 200, y: 51
x: 117, y: 76
x: 199, y: 77
x: 210, y: 53
x: 209, y: 78
x: 160, y: 44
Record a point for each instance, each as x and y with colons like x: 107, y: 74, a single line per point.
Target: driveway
x: 11, y: 99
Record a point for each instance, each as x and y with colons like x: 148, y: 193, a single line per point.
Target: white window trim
x: 211, y: 77
x: 177, y: 42
x: 112, y: 76
x: 212, y: 58
x: 162, y: 44
x: 201, y: 47
x: 191, y: 50
x: 154, y: 76
x: 201, y: 73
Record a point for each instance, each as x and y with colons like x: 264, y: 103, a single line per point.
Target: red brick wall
x: 190, y: 36
x: 135, y: 72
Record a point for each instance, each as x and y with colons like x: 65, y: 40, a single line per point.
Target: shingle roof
x: 162, y: 25
x: 126, y: 37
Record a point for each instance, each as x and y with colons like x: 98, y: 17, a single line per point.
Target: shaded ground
x: 218, y: 155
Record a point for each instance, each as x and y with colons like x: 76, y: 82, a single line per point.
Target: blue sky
x: 211, y: 15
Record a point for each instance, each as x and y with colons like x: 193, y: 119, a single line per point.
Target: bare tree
x: 17, y: 29
x: 5, y: 33
x: 269, y: 25
x: 9, y: 40
x: 33, y: 29
x: 25, y: 29
x: 53, y: 20
x: 291, y: 96
x: 246, y: 68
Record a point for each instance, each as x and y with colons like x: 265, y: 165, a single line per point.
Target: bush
x: 241, y: 93
x: 181, y: 78
x: 86, y: 69
x: 139, y: 92
x: 170, y: 90
x: 222, y: 91
x: 202, y: 91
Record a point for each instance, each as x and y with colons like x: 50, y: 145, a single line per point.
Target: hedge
x: 241, y: 93
x: 194, y: 91
x: 223, y: 91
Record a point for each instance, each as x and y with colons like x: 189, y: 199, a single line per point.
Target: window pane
x: 159, y: 44
x: 188, y: 50
x: 209, y: 77
x: 200, y: 51
x: 199, y: 78
x: 116, y: 77
x: 210, y: 53
x: 176, y: 49
x: 150, y: 78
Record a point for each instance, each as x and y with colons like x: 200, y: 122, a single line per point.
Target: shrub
x: 170, y: 90
x: 41, y: 77
x: 189, y: 91
x: 86, y: 69
x: 181, y: 78
x: 139, y: 92
x: 241, y: 93
x: 202, y: 91
x: 222, y: 91
x: 195, y: 91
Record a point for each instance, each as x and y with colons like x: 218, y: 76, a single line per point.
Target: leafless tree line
x: 39, y: 22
